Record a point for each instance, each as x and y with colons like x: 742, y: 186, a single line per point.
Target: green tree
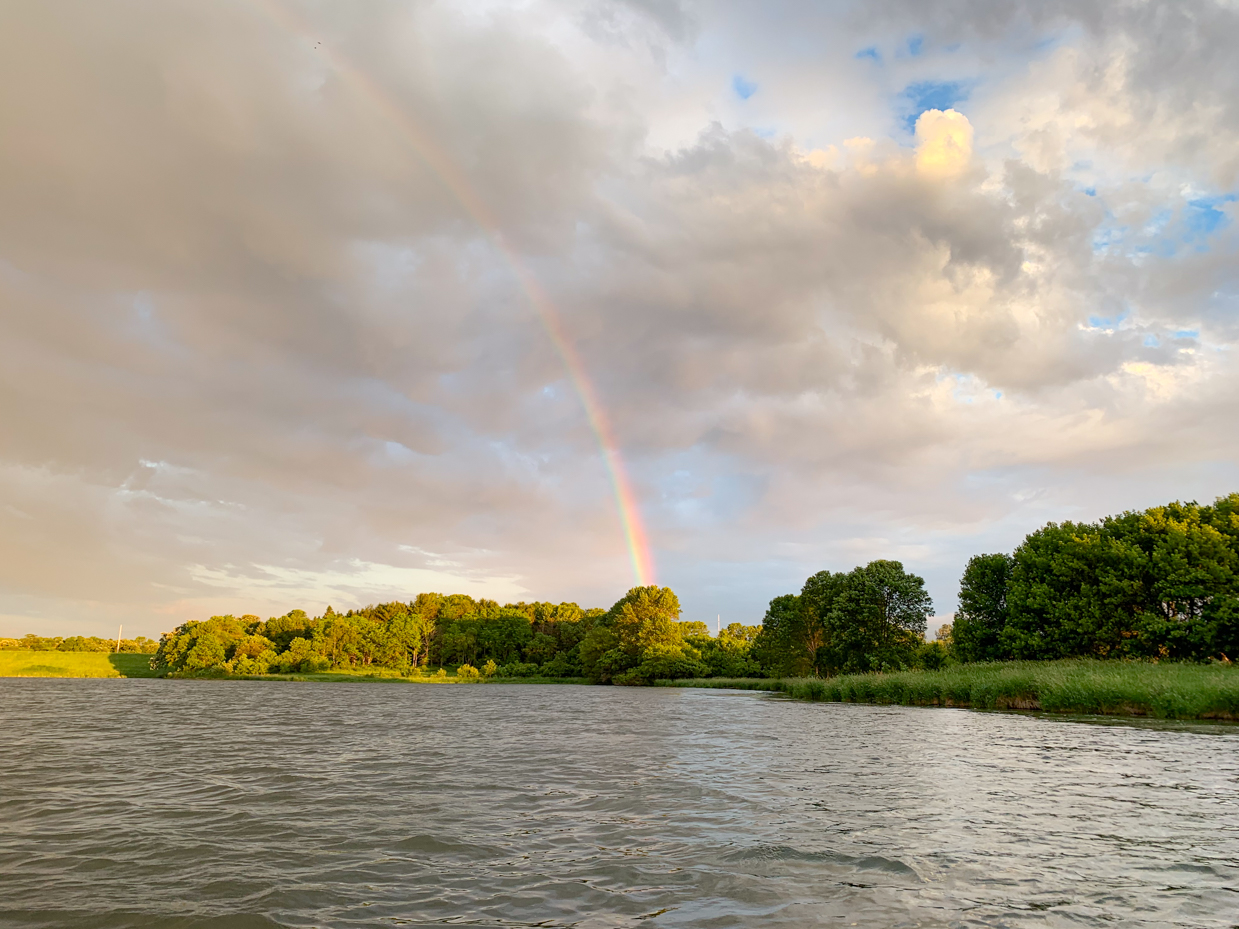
x: 795, y: 634
x: 206, y: 654
x: 877, y: 620
x: 645, y: 617
x: 976, y: 631
x: 600, y: 643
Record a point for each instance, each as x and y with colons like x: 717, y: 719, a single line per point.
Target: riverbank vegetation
x: 639, y: 639
x: 1158, y: 584
x: 1166, y: 690
x: 1161, y: 585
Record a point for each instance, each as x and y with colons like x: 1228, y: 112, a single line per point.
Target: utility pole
x: 718, y: 624
x: 118, y: 631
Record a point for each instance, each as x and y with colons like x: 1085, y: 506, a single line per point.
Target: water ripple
x: 253, y: 804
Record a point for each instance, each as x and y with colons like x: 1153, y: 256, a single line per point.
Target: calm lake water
x: 238, y: 804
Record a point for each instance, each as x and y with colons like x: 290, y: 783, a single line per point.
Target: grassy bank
x: 1128, y: 688
x: 28, y: 663
x: 24, y: 663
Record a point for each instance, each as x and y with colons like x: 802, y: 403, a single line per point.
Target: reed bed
x: 1128, y: 688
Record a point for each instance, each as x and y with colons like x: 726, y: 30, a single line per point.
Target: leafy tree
x: 795, y: 634
x: 505, y: 636
x: 206, y: 654
x: 877, y: 619
x: 645, y: 617
x: 976, y: 631
x: 283, y: 629
x: 1159, y: 583
x: 778, y: 646
x: 599, y: 643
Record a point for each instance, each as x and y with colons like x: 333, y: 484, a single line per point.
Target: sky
x: 308, y: 303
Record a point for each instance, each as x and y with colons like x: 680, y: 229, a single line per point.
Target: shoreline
x: 1073, y: 686
x: 1135, y: 689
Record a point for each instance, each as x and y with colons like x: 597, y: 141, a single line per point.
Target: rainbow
x: 457, y: 183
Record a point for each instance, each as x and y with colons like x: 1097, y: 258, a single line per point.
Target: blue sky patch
x: 1202, y: 216
x: 932, y: 95
x: 743, y: 87
x: 1107, y: 322
x: 916, y: 45
x: 870, y: 52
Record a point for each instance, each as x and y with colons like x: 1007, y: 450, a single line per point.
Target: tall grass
x: 1164, y: 690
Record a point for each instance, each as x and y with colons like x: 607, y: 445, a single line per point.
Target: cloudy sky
x: 291, y: 293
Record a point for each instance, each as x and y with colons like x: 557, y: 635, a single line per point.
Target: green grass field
x: 1164, y: 690
x: 22, y: 663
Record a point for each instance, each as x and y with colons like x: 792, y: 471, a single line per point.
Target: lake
x: 246, y: 804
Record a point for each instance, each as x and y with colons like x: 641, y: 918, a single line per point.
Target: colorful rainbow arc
x: 450, y: 175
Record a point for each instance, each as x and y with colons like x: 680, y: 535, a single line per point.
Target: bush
x: 301, y: 657
x: 520, y: 669
x: 562, y: 666
x: 247, y: 665
x: 468, y: 674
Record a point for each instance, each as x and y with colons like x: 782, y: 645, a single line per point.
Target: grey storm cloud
x: 257, y: 353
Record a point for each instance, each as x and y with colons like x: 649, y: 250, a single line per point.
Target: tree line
x: 1161, y: 583
x: 79, y: 643
x: 639, y: 639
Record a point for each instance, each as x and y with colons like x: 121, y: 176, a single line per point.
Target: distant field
x: 1128, y: 688
x: 20, y: 663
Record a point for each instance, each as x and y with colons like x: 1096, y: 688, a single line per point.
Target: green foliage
x: 646, y: 617
x: 396, y: 637
x: 982, y: 614
x: 520, y: 669
x: 877, y: 619
x: 871, y: 618
x: 600, y: 641
x: 468, y: 674
x: 1162, y: 583
x: 639, y: 639
x: 781, y: 646
x: 1166, y: 690
x: 78, y: 643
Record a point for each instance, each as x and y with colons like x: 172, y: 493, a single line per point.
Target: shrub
x: 520, y: 669
x: 468, y: 674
